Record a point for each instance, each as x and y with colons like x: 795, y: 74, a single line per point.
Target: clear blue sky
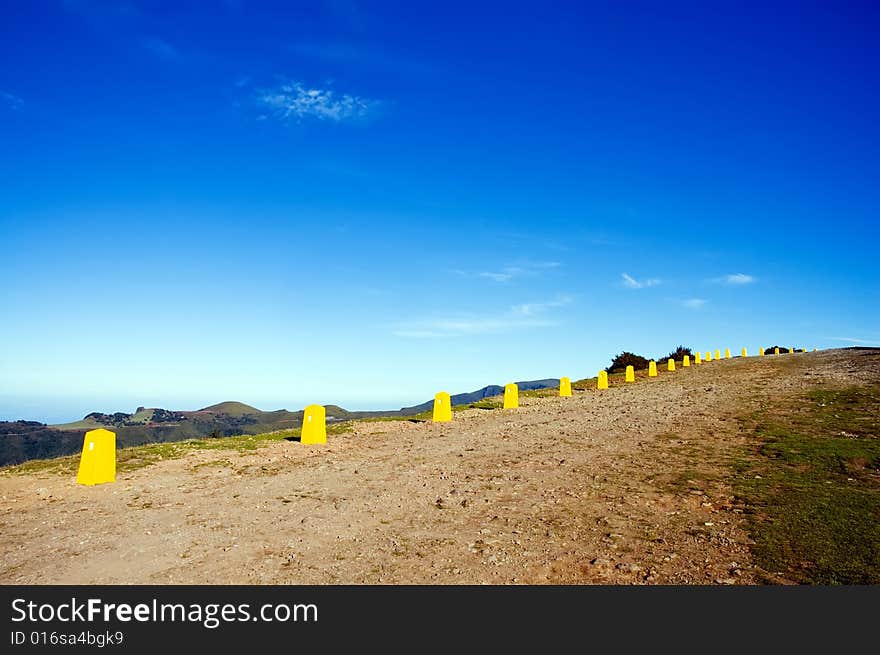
x: 364, y: 203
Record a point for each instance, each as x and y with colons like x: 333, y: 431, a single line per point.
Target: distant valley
x: 21, y: 441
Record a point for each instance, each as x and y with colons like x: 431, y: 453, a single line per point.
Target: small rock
x: 42, y: 492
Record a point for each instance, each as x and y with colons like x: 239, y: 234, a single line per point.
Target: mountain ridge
x: 21, y: 441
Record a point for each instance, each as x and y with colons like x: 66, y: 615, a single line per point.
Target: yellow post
x: 717, y: 354
x: 761, y: 352
x: 815, y: 350
x: 744, y: 353
x: 564, y: 387
x: 671, y: 364
x: 602, y: 382
x: 630, y: 374
x: 97, y: 464
x: 511, y: 396
x: 776, y: 351
x: 686, y: 361
x: 652, y: 369
x: 708, y: 355
x: 727, y: 353
x: 442, y: 407
x: 314, y: 429
x: 790, y: 351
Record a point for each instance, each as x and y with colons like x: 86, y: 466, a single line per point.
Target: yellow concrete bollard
x: 671, y: 364
x: 564, y: 387
x: 442, y: 408
x: 717, y: 354
x: 511, y: 396
x: 698, y: 359
x: 314, y: 428
x: 686, y: 361
x: 708, y: 355
x: 727, y: 353
x: 97, y: 463
x: 761, y: 352
x: 815, y: 350
x: 630, y: 374
x: 602, y: 381
x: 791, y: 351
x: 744, y: 353
x: 652, y: 369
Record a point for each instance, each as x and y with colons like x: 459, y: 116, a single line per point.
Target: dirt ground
x: 622, y: 486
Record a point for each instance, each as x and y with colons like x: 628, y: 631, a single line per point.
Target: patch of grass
x: 137, y: 457
x: 811, y: 487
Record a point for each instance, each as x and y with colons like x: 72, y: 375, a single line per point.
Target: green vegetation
x: 811, y: 487
x: 136, y: 457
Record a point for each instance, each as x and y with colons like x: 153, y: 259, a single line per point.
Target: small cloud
x: 11, y: 101
x: 161, y: 48
x: 510, y: 272
x: 296, y: 100
x: 504, y: 275
x: 525, y: 315
x: 631, y: 283
x: 735, y: 279
x: 693, y: 303
x: 857, y: 341
x: 532, y: 308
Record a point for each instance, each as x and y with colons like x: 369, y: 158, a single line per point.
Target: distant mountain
x: 486, y: 392
x: 21, y: 441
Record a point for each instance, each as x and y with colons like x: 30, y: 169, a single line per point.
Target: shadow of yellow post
x: 686, y: 361
x: 602, y: 381
x: 727, y: 353
x: 708, y: 355
x: 652, y: 369
x: 97, y: 464
x: 761, y: 352
x: 511, y: 396
x: 442, y: 408
x: 564, y: 387
x: 776, y: 351
x: 698, y: 359
x: 744, y: 353
x: 314, y: 429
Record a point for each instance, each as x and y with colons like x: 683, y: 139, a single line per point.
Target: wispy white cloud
x: 297, y: 101
x: 693, y: 303
x: 735, y: 279
x: 11, y: 101
x: 525, y: 315
x: 857, y: 341
x: 510, y: 272
x: 631, y: 283
x: 533, y: 308
x: 160, y: 48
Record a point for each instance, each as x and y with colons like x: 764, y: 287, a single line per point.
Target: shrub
x: 678, y: 354
x: 624, y: 359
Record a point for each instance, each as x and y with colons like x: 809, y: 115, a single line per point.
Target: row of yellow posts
x: 97, y: 463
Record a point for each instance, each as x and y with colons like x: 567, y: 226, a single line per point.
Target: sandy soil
x: 621, y: 486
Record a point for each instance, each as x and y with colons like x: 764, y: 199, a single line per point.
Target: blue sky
x: 365, y: 203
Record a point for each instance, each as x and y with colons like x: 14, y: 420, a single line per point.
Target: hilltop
x: 21, y: 441
x: 724, y: 473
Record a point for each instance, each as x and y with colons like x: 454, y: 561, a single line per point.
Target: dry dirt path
x: 622, y: 486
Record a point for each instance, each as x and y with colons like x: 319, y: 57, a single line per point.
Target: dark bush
x: 678, y: 354
x: 624, y: 359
